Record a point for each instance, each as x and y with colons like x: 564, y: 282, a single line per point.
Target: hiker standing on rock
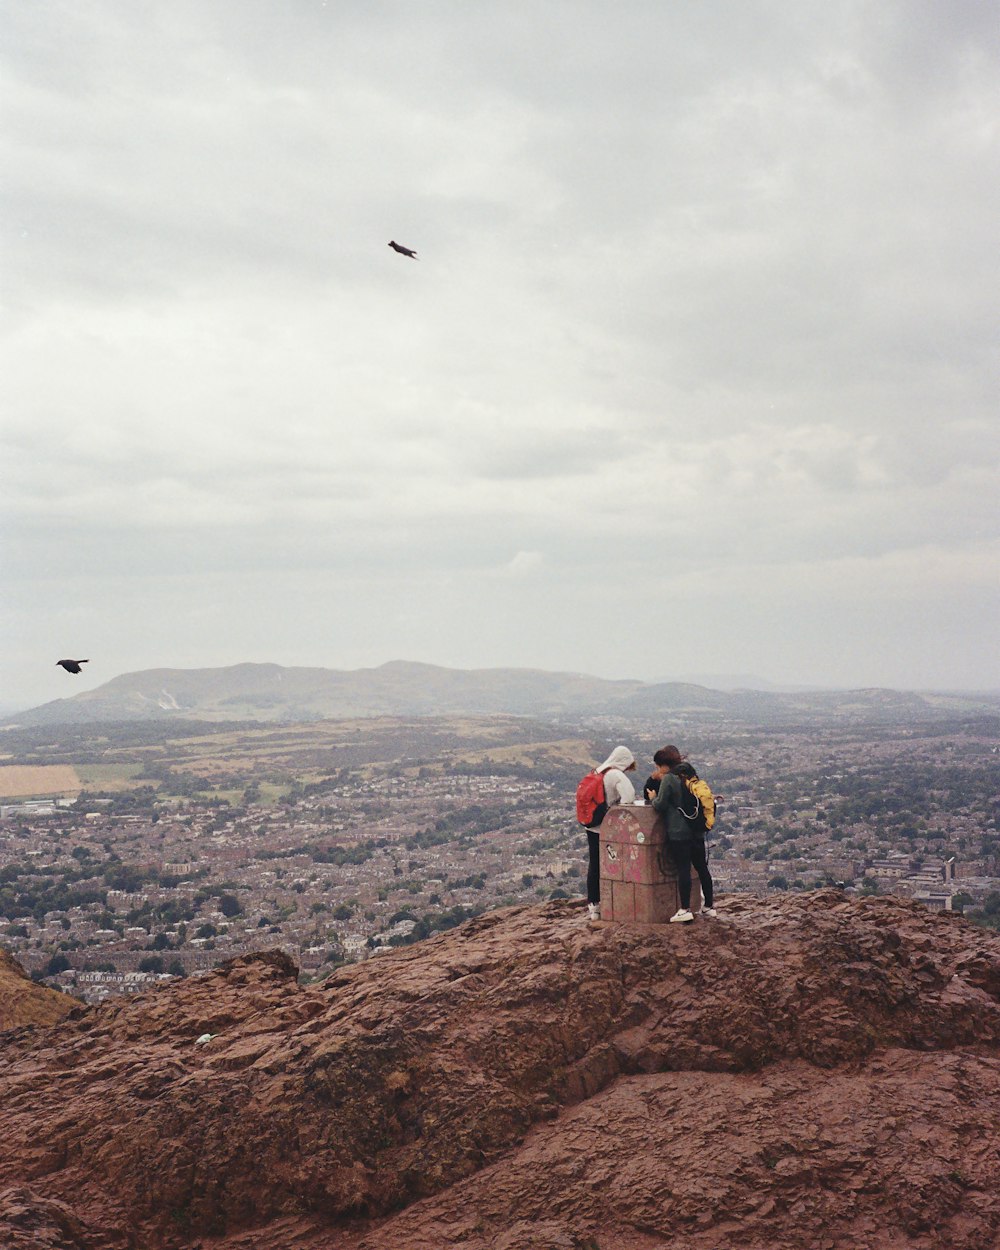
x: 617, y: 789
x: 687, y: 846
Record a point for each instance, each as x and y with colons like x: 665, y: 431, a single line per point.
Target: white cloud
x: 524, y: 564
x: 711, y: 285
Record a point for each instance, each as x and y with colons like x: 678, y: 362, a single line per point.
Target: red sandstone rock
x: 22, y: 1002
x: 803, y: 1072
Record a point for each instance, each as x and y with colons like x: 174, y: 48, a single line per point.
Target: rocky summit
x: 804, y: 1071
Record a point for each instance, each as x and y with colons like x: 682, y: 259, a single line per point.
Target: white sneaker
x: 682, y: 917
x: 593, y: 911
x: 708, y: 911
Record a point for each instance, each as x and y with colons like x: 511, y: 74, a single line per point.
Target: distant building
x: 895, y: 865
x: 31, y: 807
x: 936, y: 900
x: 124, y: 900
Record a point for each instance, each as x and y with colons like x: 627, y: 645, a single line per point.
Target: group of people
x: 664, y: 789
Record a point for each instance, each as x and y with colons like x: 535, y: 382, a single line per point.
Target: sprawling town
x: 115, y: 888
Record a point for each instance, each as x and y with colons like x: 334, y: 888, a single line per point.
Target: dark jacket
x: 667, y: 803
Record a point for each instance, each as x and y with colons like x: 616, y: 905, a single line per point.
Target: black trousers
x: 594, y: 867
x: 688, y: 855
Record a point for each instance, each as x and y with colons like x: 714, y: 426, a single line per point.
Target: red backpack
x: 591, y: 805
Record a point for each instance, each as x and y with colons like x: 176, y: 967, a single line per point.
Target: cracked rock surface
x: 805, y: 1071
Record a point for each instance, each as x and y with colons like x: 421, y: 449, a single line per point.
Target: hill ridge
x: 272, y: 692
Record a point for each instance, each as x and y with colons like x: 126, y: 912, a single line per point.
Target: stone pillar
x: 633, y: 883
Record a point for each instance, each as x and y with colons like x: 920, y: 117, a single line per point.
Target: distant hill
x: 269, y: 692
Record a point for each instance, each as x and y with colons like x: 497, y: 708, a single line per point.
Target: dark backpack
x: 697, y: 803
x: 591, y: 804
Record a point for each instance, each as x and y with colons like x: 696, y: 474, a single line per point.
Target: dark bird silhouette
x: 71, y: 666
x: 403, y: 251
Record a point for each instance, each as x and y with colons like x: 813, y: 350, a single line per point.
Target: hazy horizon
x: 696, y: 371
x: 716, y: 681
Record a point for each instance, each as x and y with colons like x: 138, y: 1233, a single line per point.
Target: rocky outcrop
x: 22, y: 1002
x: 805, y: 1071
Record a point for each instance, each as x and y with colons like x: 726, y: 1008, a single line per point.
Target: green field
x: 199, y: 760
x: 117, y: 776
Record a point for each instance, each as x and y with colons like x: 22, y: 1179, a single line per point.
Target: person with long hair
x: 687, y: 845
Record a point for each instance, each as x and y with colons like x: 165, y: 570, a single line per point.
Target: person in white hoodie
x: 617, y: 789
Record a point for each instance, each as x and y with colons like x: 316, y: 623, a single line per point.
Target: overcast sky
x: 696, y: 372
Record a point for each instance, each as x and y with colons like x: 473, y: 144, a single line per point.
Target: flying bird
x: 403, y: 251
x: 71, y: 666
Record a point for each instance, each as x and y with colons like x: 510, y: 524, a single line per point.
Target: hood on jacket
x: 620, y: 758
